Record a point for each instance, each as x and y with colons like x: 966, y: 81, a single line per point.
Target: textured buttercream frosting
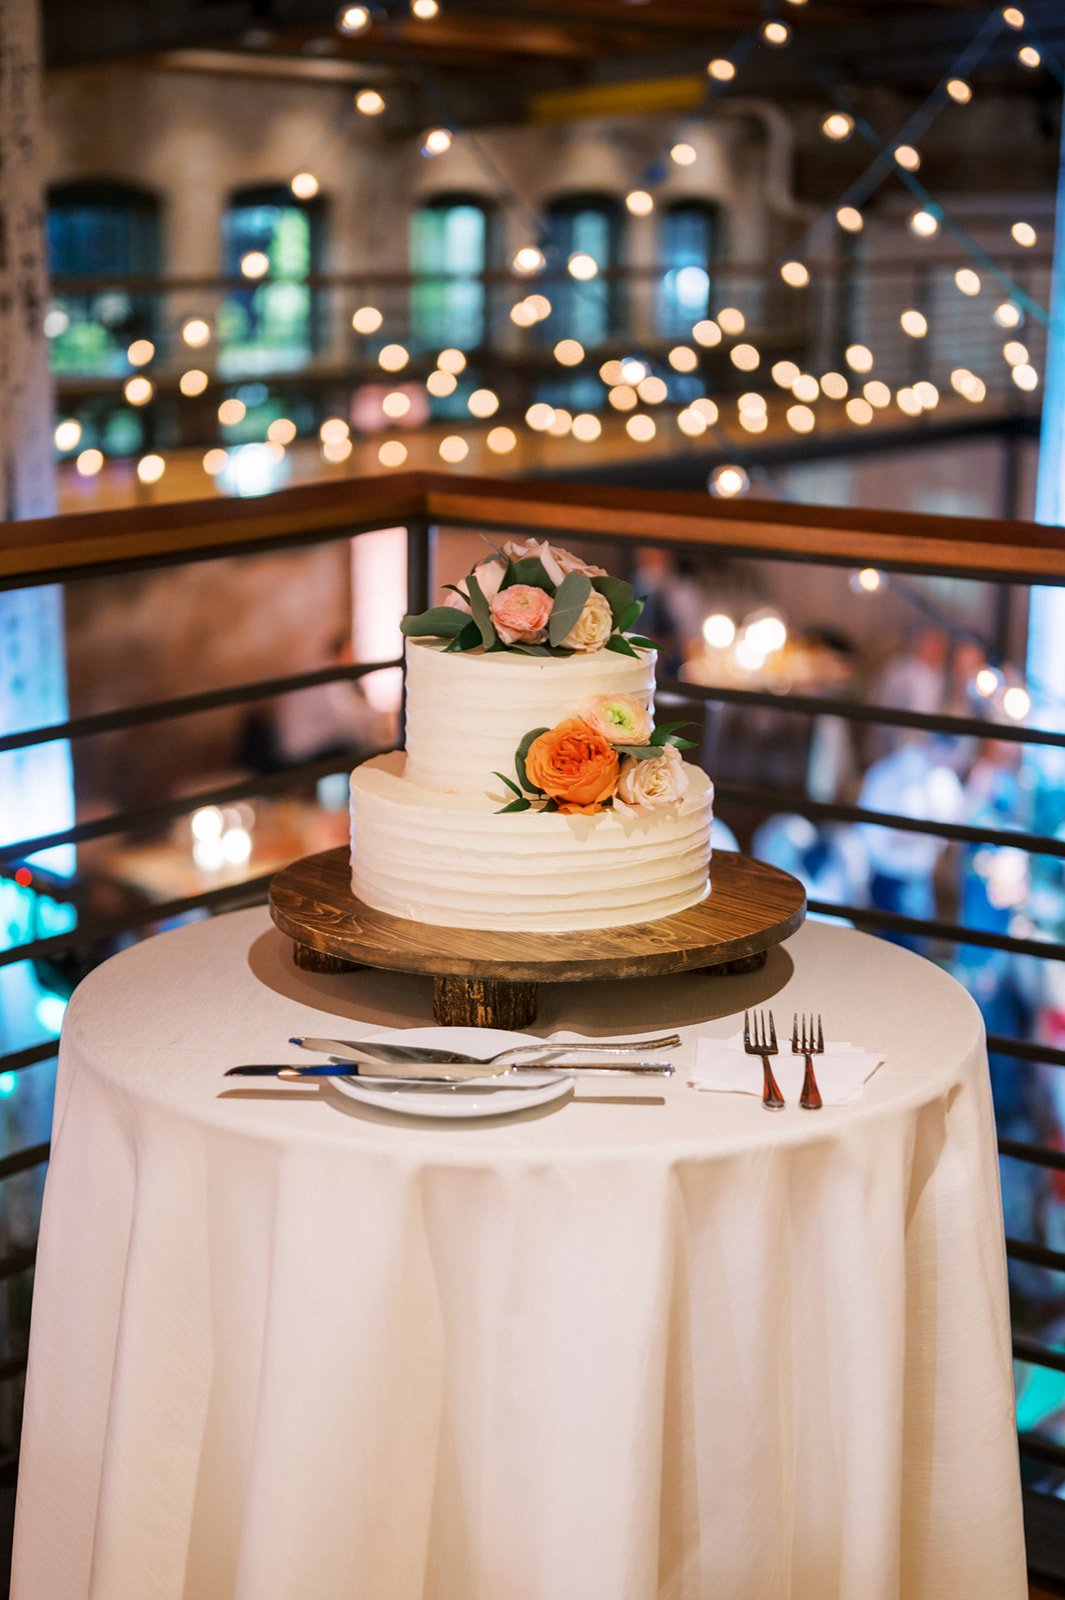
x: 451, y: 860
x: 468, y: 711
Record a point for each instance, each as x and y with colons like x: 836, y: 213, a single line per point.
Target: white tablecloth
x: 648, y: 1342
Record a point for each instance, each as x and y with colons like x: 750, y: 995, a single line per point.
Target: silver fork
x: 761, y: 1040
x: 805, y: 1042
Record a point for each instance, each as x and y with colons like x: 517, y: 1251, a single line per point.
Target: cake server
x: 423, y: 1071
x: 520, y: 1055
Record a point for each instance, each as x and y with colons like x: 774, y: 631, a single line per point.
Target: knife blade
x: 435, y: 1072
x: 393, y: 1054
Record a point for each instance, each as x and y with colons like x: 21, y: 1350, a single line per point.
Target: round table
x: 645, y: 1342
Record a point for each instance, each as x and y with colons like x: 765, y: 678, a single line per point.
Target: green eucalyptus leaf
x: 642, y: 643
x: 629, y: 616
x: 530, y: 570
x: 468, y: 639
x: 515, y: 805
x: 570, y: 596
x: 618, y: 595
x: 621, y: 646
x: 482, y: 616
x: 538, y: 650
x: 665, y: 734
x: 441, y: 622
x: 519, y: 761
x: 638, y: 752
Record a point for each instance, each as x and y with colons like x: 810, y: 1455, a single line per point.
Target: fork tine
x: 806, y: 1035
x: 772, y: 1031
x: 820, y: 1035
x: 795, y: 1030
x: 746, y: 1029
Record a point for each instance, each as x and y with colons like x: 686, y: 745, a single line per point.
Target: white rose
x: 556, y: 562
x: 593, y: 627
x: 653, y: 784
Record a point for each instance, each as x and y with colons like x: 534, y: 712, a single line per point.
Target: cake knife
x: 393, y: 1054
x: 455, y: 1072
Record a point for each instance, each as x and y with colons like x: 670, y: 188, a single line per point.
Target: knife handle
x: 274, y: 1069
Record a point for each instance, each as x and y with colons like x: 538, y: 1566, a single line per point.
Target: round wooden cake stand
x: 488, y: 979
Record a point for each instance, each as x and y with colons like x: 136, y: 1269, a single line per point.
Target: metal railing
x: 70, y: 550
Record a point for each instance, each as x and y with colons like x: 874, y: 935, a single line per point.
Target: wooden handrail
x: 76, y: 544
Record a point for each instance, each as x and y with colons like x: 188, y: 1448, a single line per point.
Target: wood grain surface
x: 751, y: 906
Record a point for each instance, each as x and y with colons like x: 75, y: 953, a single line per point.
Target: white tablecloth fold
x: 842, y: 1072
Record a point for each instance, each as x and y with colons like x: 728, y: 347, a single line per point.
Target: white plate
x: 465, y: 1100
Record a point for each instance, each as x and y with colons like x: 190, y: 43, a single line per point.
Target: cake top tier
x: 535, y: 599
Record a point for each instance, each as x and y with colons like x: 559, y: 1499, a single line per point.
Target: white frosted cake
x: 533, y: 792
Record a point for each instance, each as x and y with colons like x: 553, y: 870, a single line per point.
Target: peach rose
x: 556, y: 562
x: 520, y: 613
x: 593, y: 627
x: 489, y: 575
x: 574, y: 765
x: 651, y: 785
x: 618, y: 717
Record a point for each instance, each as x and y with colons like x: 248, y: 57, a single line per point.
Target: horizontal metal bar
x: 1041, y: 1449
x: 1038, y: 1355
x: 1036, y: 1155
x: 17, y: 1261
x: 86, y: 937
x: 1037, y: 1255
x: 189, y: 705
x: 166, y: 811
x: 1025, y: 1050
x: 34, y: 1155
x: 18, y: 1060
x: 951, y: 932
x: 795, y: 800
x: 855, y: 711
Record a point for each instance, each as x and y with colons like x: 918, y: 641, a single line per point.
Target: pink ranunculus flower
x: 489, y: 576
x: 556, y: 561
x: 651, y: 785
x: 520, y: 613
x: 618, y: 717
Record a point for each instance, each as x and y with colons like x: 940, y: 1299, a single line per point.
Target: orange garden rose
x: 574, y: 765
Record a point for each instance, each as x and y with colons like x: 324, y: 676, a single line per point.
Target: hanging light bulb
x: 850, y: 219
x: 837, y: 125
x: 967, y: 280
x: 721, y: 69
x: 859, y: 357
x: 728, y: 481
x: 529, y: 260
x: 776, y: 33
x: 1024, y: 234
x: 353, y: 19
x: 1012, y: 17
x: 795, y: 274
x: 424, y: 10
x: 924, y: 223
x: 639, y: 202
x: 304, y: 185
x: 436, y: 142
x: 1029, y: 56
x: 369, y: 103
x: 959, y: 91
x: 907, y: 157
x: 914, y: 324
x: 683, y: 154
x: 582, y: 266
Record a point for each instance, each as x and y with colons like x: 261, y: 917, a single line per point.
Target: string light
x: 719, y: 630
x: 728, y: 481
x: 138, y: 391
x: 784, y: 373
x: 582, y: 266
x: 967, y: 280
x: 367, y: 319
x: 333, y: 429
x: 281, y: 431
x: 392, y: 453
x: 682, y: 358
x: 214, y: 462
x: 586, y: 427
x: 1007, y: 315
x: 424, y: 10
x: 745, y: 357
x: 633, y: 371
x: 67, y: 435
x: 1029, y: 56
x: 691, y: 422
x: 569, y: 352
x: 924, y: 223
x: 907, y: 157
x: 859, y: 411
x: 353, y: 19
x: 837, y: 126
x: 907, y: 402
x: 539, y: 306
x: 959, y: 91
x: 731, y: 321
x: 1012, y: 17
x: 195, y: 332
x: 369, y: 103
x: 150, y: 468
x: 304, y: 185
x: 540, y: 416
x: 501, y: 440
x: 396, y: 405
x: 1024, y: 234
x: 561, y: 423
x: 140, y: 352
x: 859, y: 357
x: 869, y: 580
x: 522, y: 314
x: 1016, y: 702
x: 232, y: 411
x: 707, y: 333
x: 878, y: 394
x: 706, y: 409
x: 927, y: 394
x: 914, y: 323
x: 806, y: 387
x: 752, y: 402
x: 801, y: 418
x: 639, y: 202
x: 89, y: 463
x: 795, y: 274
x: 529, y: 260
x: 1015, y: 353
x: 968, y: 385
x: 483, y: 403
x: 192, y: 382
x: 834, y: 385
x: 641, y: 428
x: 652, y: 390
x: 1024, y: 376
x: 776, y: 33
x: 454, y: 449
x: 683, y: 155
x: 850, y: 219
x: 451, y: 360
x: 611, y: 373
x: 622, y: 397
x: 392, y: 358
x: 986, y: 682
x: 721, y: 69
x: 754, y: 421
x: 336, y: 450
x: 255, y: 264
x: 436, y: 142
x: 441, y: 384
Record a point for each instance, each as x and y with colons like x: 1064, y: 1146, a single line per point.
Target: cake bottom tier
x: 454, y: 861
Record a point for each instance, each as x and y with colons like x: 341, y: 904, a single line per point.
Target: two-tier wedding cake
x: 534, y: 791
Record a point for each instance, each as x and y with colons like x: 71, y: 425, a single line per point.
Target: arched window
x: 688, y: 245
x: 107, y: 231
x: 449, y: 253
x: 584, y: 224
x: 272, y: 324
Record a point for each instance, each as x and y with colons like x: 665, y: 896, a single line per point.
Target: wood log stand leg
x: 483, y: 1003
x: 312, y: 960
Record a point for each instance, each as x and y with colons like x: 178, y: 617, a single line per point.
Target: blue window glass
x: 588, y: 311
x: 105, y: 231
x: 687, y: 251
x: 271, y: 325
x: 449, y: 241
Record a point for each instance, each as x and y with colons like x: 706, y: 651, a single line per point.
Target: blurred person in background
x: 332, y: 719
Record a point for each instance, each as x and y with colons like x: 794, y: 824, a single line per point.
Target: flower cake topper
x: 606, y: 757
x: 538, y: 599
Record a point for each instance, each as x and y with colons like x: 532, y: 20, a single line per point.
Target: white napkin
x: 724, y: 1065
